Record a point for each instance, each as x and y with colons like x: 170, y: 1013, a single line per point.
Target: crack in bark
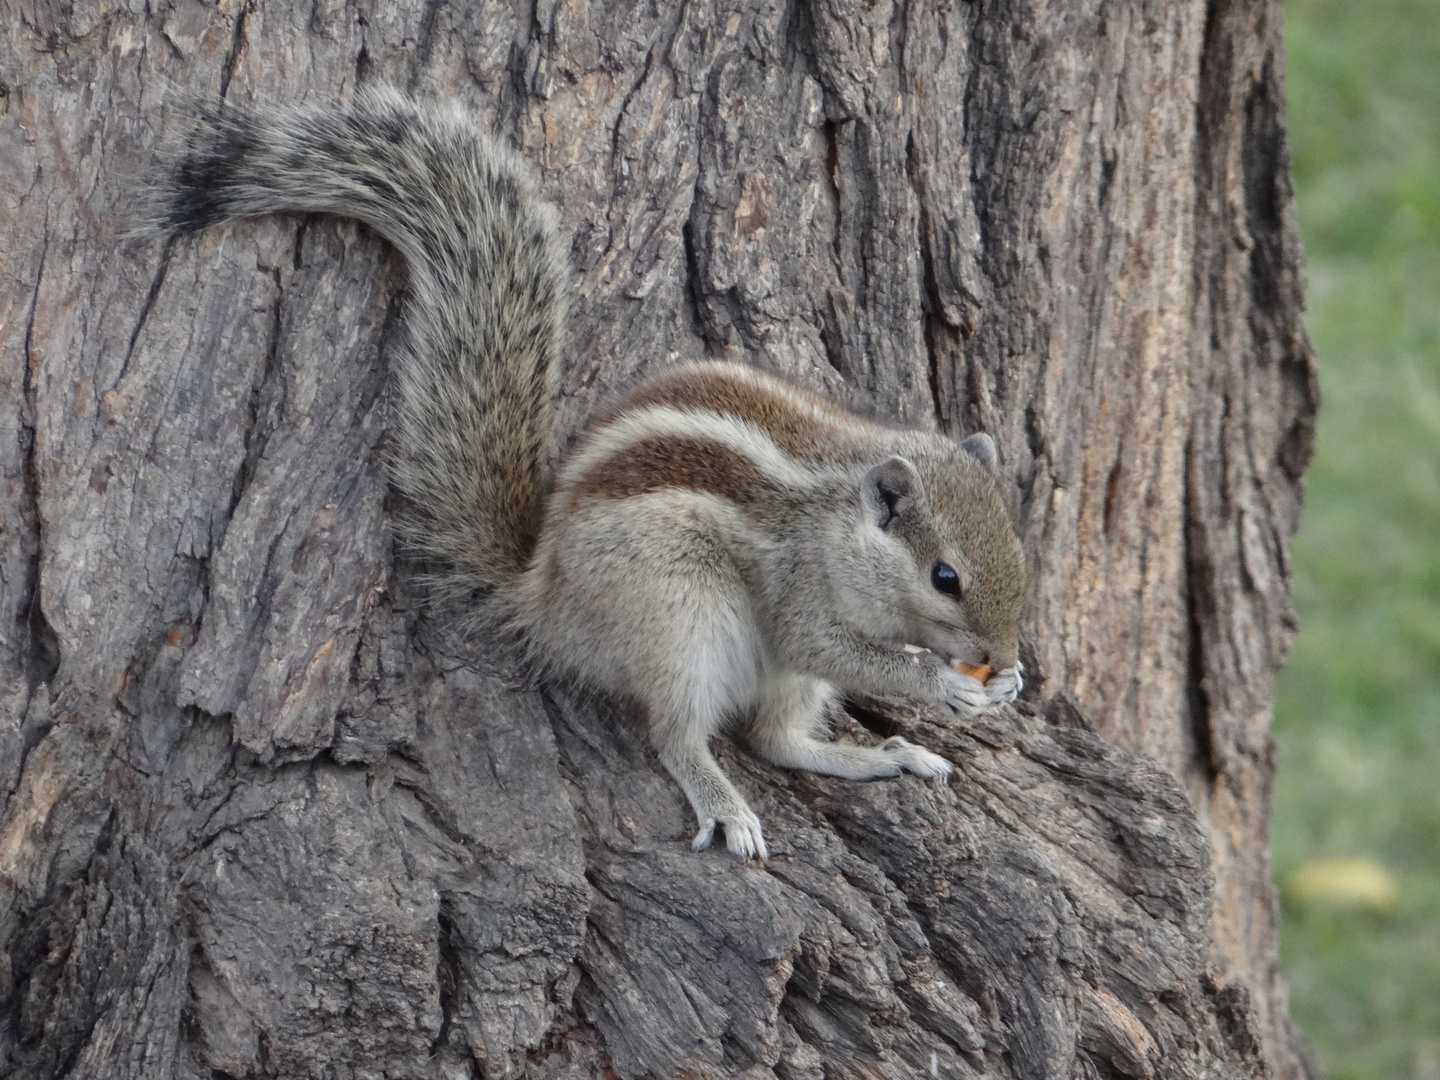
x: 42, y: 644
x: 694, y: 292
x: 831, y: 336
x: 620, y: 116
x: 1112, y: 491
x: 425, y: 39
x: 40, y: 654
x: 830, y: 131
x: 932, y: 306
x: 362, y: 55
x: 146, y: 308
x: 447, y: 977
x: 257, y: 432
x: 1197, y: 699
x: 237, y: 46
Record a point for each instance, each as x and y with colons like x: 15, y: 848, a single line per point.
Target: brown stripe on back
x: 807, y: 428
x: 672, y: 461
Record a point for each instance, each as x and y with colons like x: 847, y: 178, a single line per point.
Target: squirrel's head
x: 933, y: 560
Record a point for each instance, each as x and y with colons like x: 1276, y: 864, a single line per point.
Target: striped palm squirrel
x: 720, y: 547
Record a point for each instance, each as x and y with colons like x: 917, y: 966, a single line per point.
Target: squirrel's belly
x: 624, y: 591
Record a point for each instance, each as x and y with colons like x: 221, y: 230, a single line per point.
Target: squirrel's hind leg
x: 665, y: 618
x: 715, y: 799
x: 789, y: 729
x: 681, y: 723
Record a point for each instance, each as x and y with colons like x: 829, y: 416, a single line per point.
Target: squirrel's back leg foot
x: 716, y: 801
x: 697, y: 696
x: 789, y: 729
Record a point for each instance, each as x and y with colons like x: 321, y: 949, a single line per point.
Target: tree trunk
x: 263, y: 817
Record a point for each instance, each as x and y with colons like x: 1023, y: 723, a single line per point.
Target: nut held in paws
x: 975, y: 671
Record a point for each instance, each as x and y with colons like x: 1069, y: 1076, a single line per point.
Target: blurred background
x: 1357, y: 824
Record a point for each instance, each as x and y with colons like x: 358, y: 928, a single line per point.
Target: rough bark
x: 262, y: 817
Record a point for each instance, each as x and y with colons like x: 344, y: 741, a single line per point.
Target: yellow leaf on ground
x: 1356, y: 884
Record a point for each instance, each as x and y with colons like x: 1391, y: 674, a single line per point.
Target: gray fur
x: 725, y: 551
x: 982, y: 446
x: 487, y: 305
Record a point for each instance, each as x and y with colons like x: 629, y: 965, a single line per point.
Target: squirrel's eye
x: 944, y: 578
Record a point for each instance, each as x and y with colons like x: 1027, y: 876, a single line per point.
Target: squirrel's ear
x: 982, y: 447
x: 889, y: 490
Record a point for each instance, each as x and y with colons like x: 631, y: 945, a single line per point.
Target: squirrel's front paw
x: 742, y: 834
x: 963, y: 694
x: 1005, y: 686
x: 916, y: 759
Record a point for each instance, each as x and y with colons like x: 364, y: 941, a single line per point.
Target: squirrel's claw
x: 1005, y: 686
x: 963, y: 694
x: 743, y: 836
x: 704, y: 836
x: 916, y: 759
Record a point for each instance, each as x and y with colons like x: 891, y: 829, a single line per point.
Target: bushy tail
x: 487, y: 294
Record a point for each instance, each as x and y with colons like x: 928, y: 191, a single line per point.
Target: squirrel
x: 720, y: 547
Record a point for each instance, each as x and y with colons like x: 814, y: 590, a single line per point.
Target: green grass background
x: 1358, y: 712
